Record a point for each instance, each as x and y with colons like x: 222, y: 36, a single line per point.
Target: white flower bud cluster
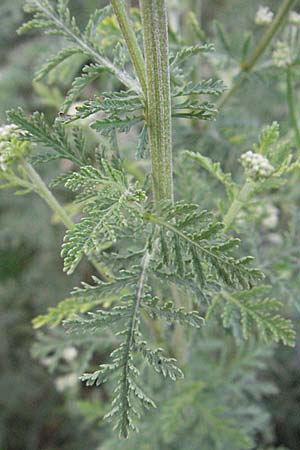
x: 275, y: 238
x: 3, y: 165
x: 294, y: 18
x: 282, y: 55
x: 8, y: 152
x: 8, y: 131
x: 264, y: 16
x: 69, y: 354
x: 256, y: 166
x: 66, y: 382
x: 269, y: 215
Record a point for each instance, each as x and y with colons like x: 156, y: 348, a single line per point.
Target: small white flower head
x: 69, y: 354
x: 274, y: 238
x: 7, y: 132
x: 66, y: 382
x: 271, y: 217
x: 4, y: 155
x: 256, y: 165
x: 264, y: 16
x: 47, y: 361
x: 11, y: 147
x: 268, y: 215
x: 241, y: 218
x: 294, y: 18
x: 3, y: 165
x: 282, y: 55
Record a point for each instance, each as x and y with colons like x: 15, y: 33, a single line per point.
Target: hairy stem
x: 237, y: 204
x: 126, y: 27
x: 42, y: 190
x: 291, y: 104
x: 156, y: 45
x: 248, y: 65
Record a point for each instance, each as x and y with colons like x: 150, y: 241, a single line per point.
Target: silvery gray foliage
x: 176, y: 246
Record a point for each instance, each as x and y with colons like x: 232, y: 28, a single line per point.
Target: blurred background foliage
x: 234, y: 397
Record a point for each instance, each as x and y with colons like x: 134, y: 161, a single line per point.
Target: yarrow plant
x: 162, y: 261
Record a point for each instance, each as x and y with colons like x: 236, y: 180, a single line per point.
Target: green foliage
x: 195, y: 243
x: 89, y: 74
x: 211, y: 398
x: 186, y: 53
x: 214, y: 168
x: 57, y: 20
x: 110, y: 203
x: 254, y: 309
x: 55, y: 139
x: 64, y: 310
x: 110, y: 103
x: 277, y: 150
x: 168, y: 312
x: 122, y: 124
x: 166, y: 266
x: 128, y: 396
x: 206, y: 87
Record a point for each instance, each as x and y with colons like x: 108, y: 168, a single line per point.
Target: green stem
x: 42, y: 190
x: 126, y: 27
x: 268, y: 35
x: 291, y: 103
x: 156, y: 45
x: 263, y: 43
x: 228, y: 94
x: 237, y: 204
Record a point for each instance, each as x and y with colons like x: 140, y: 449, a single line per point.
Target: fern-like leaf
x: 110, y: 202
x: 214, y: 168
x: 90, y: 73
x: 170, y: 313
x: 206, y: 242
x: 110, y: 103
x: 186, y: 53
x: 205, y: 87
x: 54, y: 138
x: 54, y: 61
x: 123, y: 124
x: 56, y: 19
x: 255, y: 310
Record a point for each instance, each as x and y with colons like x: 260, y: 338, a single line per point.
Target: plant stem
x: 237, y: 204
x: 126, y: 27
x: 291, y: 104
x: 228, y: 94
x: 159, y: 110
x: 42, y: 190
x: 268, y: 35
x: 248, y: 65
x: 156, y: 45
